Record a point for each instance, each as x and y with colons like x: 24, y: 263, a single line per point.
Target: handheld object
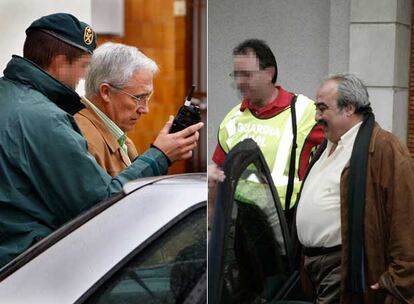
x: 188, y: 114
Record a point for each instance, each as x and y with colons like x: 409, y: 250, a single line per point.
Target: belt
x: 315, y: 251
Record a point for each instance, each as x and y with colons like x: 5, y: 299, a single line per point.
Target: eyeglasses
x: 142, y: 100
x: 243, y: 74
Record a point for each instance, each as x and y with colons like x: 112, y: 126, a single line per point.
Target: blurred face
x: 335, y: 121
x: 71, y: 73
x: 128, y: 104
x: 249, y: 78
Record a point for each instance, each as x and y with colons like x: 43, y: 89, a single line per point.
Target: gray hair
x: 115, y: 63
x: 352, y: 91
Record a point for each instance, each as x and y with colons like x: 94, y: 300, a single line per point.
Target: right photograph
x: 310, y: 151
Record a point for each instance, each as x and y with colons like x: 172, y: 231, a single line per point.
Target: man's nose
x: 318, y: 115
x: 240, y: 81
x: 144, y: 109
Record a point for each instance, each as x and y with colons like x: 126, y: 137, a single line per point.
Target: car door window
x: 164, y: 272
x: 255, y: 261
x: 256, y: 252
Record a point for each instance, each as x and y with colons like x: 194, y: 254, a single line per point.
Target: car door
x: 168, y: 268
x: 250, y: 254
x: 146, y: 245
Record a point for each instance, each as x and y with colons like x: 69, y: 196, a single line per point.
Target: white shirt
x: 318, y: 218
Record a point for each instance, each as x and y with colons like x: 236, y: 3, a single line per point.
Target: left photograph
x: 103, y: 188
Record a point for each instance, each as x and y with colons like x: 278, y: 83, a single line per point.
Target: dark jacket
x: 47, y: 176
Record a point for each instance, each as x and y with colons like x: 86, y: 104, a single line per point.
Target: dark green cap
x: 68, y: 29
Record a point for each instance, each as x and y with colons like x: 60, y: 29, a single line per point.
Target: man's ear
x: 270, y: 70
x: 104, y: 92
x: 57, y: 65
x: 349, y: 110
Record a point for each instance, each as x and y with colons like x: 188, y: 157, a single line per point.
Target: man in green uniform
x: 47, y: 175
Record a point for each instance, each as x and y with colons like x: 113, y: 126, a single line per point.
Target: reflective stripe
x: 253, y: 178
x: 283, y: 151
x: 231, y: 128
x: 268, y: 133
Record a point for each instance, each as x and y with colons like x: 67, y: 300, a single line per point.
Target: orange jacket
x: 102, y: 144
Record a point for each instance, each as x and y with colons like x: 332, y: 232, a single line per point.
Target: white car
x: 146, y: 245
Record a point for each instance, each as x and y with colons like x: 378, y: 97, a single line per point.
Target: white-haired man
x: 119, y: 85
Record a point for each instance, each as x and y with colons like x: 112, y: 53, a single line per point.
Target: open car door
x: 250, y: 254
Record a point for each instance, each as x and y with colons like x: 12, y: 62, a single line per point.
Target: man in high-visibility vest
x: 265, y: 115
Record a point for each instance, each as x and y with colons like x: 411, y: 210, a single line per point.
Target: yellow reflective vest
x: 274, y: 137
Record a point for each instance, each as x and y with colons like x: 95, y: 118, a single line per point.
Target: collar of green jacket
x: 22, y: 70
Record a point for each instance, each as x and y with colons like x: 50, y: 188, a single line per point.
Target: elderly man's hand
x: 178, y: 146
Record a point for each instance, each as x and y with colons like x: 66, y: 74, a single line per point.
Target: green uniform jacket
x: 47, y: 175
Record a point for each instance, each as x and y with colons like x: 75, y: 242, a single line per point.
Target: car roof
x: 190, y: 178
x: 77, y: 260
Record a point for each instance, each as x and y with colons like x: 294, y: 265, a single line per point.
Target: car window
x: 249, y: 250
x: 164, y: 272
x: 257, y: 265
